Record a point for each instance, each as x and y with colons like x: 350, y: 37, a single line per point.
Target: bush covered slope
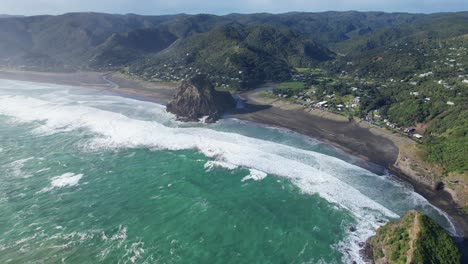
x: 415, y: 238
x: 243, y: 55
x: 409, y: 68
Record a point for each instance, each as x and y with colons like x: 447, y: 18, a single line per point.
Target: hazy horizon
x: 148, y: 7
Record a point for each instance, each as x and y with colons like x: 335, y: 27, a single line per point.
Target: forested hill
x: 400, y: 70
x: 233, y: 55
x: 78, y: 41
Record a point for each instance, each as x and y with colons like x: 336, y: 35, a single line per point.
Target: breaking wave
x: 333, y: 179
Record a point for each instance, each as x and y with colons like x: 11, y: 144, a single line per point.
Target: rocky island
x: 415, y: 238
x: 197, y: 98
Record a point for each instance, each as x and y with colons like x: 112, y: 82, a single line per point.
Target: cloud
x: 156, y: 7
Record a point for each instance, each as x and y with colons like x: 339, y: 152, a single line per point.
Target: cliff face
x: 415, y: 238
x: 411, y: 163
x: 196, y: 98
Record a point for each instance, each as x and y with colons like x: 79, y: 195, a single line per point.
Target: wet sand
x: 357, y: 138
x: 159, y: 92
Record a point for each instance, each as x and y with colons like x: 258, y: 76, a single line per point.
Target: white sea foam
x: 15, y: 168
x: 65, y: 180
x: 255, y: 175
x: 42, y: 170
x: 314, y: 173
x: 209, y: 165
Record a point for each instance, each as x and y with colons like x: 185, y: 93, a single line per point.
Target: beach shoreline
x: 356, y: 138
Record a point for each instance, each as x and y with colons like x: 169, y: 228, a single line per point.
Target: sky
x: 220, y: 7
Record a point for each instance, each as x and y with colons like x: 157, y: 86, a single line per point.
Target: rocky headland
x: 415, y: 238
x: 196, y: 98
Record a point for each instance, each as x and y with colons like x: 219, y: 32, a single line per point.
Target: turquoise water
x: 89, y: 177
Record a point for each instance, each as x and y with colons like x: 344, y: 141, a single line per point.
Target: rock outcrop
x: 415, y: 238
x: 196, y: 98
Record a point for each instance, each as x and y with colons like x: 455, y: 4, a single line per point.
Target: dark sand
x: 354, y: 138
x: 156, y: 92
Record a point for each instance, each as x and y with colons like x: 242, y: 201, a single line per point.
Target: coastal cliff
x: 196, y: 98
x: 411, y: 164
x: 415, y: 238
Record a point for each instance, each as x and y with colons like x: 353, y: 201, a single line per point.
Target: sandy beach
x: 113, y: 82
x: 355, y: 137
x: 358, y: 138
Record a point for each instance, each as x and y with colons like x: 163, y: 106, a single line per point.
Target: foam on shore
x: 335, y: 180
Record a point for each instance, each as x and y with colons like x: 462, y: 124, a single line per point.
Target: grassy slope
x: 415, y: 238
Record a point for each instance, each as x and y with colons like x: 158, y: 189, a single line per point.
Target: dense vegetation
x: 434, y: 245
x: 414, y: 239
x: 234, y: 55
x: 398, y: 70
x: 418, y: 81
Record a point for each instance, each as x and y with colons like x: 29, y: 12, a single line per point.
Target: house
x: 322, y: 103
x: 425, y: 74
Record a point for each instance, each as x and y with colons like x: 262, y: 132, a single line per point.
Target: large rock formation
x: 196, y: 98
x: 415, y: 238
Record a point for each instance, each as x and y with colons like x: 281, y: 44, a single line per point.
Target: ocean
x: 88, y: 176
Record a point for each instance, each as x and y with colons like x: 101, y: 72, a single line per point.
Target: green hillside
x: 405, y: 70
x: 415, y: 238
x: 234, y: 55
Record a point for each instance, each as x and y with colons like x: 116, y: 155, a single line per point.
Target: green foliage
x: 411, y: 78
x: 291, y: 85
x: 431, y: 244
x: 448, y: 140
x: 382, y: 54
x: 122, y: 49
x: 247, y: 54
x: 434, y: 245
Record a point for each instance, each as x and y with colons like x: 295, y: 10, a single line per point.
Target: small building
x: 425, y: 74
x: 450, y: 103
x: 418, y: 136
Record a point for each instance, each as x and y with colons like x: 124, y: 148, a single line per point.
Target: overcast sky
x: 157, y: 7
